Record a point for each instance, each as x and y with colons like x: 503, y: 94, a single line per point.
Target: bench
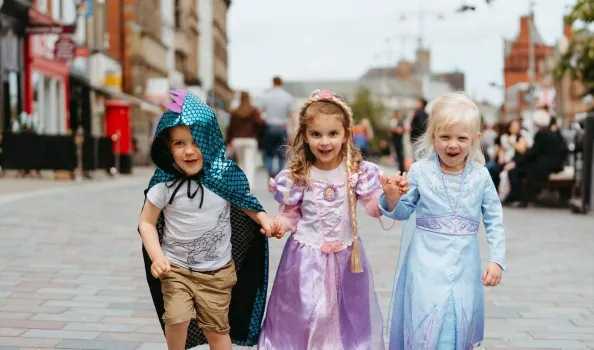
x: 561, y: 183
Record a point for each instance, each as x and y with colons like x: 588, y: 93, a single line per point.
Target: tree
x: 578, y: 59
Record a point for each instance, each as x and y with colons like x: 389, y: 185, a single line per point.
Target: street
x: 71, y: 272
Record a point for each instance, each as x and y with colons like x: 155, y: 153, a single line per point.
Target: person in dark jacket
x: 545, y: 157
x: 418, y: 124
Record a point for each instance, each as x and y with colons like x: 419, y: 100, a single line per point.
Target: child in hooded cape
x: 230, y: 258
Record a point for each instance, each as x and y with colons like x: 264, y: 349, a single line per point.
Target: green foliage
x: 578, y: 61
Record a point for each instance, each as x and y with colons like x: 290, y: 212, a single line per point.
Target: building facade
x: 13, y: 19
x: 516, y: 69
x: 222, y: 92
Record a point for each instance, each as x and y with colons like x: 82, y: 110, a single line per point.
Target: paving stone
x: 28, y: 342
x: 67, y: 317
x: 151, y: 338
x: 109, y: 299
x: 548, y: 344
x: 100, y: 312
x: 32, y: 308
x: 101, y: 327
x: 31, y: 324
x: 556, y: 335
x: 15, y: 315
x: 76, y: 304
x: 11, y: 332
x: 97, y: 345
x: 60, y: 334
x: 132, y: 306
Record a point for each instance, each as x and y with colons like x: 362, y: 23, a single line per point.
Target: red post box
x: 118, y: 128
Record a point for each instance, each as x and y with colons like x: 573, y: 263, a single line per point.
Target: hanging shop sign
x: 64, y: 49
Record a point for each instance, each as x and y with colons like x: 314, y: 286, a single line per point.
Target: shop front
x: 46, y: 80
x: 13, y: 19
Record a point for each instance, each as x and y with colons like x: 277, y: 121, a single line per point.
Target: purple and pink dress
x: 316, y: 301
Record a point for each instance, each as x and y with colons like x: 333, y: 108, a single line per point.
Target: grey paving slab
x: 73, y: 276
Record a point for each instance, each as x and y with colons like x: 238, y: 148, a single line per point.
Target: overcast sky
x: 341, y: 39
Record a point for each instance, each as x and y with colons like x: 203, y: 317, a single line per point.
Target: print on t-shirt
x: 208, y: 241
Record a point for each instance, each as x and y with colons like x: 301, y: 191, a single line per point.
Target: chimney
x: 567, y: 30
x: 524, y: 33
x: 423, y: 61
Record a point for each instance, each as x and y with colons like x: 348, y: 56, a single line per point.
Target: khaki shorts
x: 204, y: 296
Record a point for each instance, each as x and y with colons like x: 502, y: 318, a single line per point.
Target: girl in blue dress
x: 438, y: 299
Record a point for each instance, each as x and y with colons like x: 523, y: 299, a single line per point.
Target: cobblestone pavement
x: 71, y: 273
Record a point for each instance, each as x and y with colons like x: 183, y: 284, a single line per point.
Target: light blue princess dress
x: 438, y: 298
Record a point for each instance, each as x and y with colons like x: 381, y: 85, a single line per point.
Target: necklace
x: 445, y: 188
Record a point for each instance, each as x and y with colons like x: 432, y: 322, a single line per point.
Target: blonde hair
x: 446, y: 111
x: 301, y: 157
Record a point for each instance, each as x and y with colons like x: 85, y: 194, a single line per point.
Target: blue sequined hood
x: 219, y: 174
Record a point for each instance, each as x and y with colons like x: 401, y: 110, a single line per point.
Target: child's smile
x: 185, y: 152
x: 325, y: 136
x: 453, y: 145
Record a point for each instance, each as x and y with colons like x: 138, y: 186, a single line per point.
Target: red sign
x: 64, y: 49
x: 49, y: 29
x: 82, y: 52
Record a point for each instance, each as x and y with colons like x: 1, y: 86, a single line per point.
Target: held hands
x: 395, y: 186
x: 273, y: 228
x: 492, y: 275
x: 160, y: 267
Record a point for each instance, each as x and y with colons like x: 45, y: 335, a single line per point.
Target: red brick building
x: 516, y: 66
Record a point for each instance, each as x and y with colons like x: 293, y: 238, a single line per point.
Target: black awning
x: 80, y: 79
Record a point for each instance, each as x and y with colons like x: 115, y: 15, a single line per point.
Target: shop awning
x: 144, y: 105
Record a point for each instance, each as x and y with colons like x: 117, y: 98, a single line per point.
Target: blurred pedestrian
x: 418, y: 124
x: 242, y: 134
x: 278, y: 107
x: 363, y: 134
x: 397, y: 128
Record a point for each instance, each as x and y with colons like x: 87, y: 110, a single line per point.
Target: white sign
x: 156, y: 90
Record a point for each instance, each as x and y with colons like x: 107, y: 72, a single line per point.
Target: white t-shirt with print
x: 194, y: 238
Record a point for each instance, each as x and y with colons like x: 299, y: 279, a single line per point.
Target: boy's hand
x: 277, y: 229
x: 272, y: 228
x: 160, y: 267
x: 492, y: 275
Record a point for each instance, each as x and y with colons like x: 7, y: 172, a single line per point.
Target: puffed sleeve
x: 368, y: 187
x: 493, y: 221
x: 289, y: 196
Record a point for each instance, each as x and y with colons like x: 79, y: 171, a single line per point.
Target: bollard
x: 79, y: 139
x: 582, y: 203
x: 116, y: 138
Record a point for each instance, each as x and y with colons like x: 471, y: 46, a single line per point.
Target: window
x: 178, y: 14
x: 41, y: 6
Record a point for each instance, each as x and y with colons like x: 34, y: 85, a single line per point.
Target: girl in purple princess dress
x: 323, y: 295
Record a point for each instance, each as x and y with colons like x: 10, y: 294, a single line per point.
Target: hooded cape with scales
x: 225, y: 178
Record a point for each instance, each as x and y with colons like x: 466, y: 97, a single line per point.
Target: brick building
x: 516, y: 66
x: 222, y: 92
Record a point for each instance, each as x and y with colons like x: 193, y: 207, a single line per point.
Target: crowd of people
x: 518, y: 162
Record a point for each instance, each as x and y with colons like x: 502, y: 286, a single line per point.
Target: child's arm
x: 397, y: 206
x: 150, y: 239
x: 261, y: 218
x: 493, y: 221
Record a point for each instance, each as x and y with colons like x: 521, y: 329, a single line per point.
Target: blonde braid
x: 356, y: 255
